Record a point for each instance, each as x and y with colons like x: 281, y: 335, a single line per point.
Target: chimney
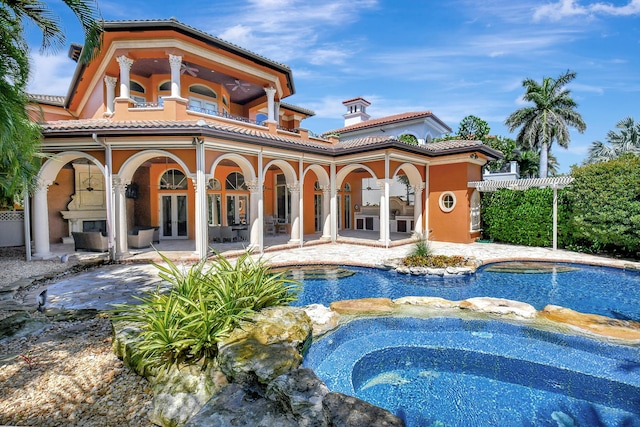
x: 356, y: 111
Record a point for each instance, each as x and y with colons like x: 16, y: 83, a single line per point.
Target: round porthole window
x: 447, y: 201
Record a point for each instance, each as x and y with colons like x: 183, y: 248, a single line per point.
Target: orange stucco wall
x: 451, y: 226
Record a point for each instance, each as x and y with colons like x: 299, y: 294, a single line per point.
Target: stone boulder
x: 499, y: 306
x: 347, y: 411
x: 180, y: 392
x: 270, y: 344
x: 296, y: 399
x: 324, y: 319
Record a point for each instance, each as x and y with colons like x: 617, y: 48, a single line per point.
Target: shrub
x: 201, y: 308
x: 523, y: 217
x: 604, y: 199
x: 434, y: 261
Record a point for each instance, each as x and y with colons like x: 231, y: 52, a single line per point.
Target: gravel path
x: 66, y: 375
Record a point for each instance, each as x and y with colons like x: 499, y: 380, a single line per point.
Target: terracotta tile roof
x: 111, y: 126
x: 386, y: 120
x: 297, y: 109
x: 346, y: 101
x: 250, y: 134
x: 47, y: 99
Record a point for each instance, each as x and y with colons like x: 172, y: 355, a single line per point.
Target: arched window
x: 203, y: 90
x: 173, y: 179
x: 225, y: 101
x: 235, y: 181
x: 164, y: 86
x: 214, y: 184
x: 136, y: 87
x: 408, y: 139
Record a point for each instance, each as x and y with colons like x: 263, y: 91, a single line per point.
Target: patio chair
x: 226, y: 233
x: 140, y: 240
x: 269, y: 226
x: 243, y: 234
x: 214, y: 233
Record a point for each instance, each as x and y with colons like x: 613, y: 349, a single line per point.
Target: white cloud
x: 571, y: 8
x: 50, y: 74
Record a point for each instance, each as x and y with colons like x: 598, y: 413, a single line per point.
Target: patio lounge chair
x: 226, y: 233
x: 141, y: 240
x: 90, y: 241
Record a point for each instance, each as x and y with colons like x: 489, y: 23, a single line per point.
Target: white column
x: 387, y: 236
x: 260, y: 202
x: 41, y: 221
x: 301, y: 201
x: 384, y: 210
x: 110, y: 83
x: 418, y: 207
x: 555, y: 217
x: 294, y: 189
x: 108, y: 180
x: 125, y: 68
x: 120, y: 213
x: 334, y: 202
x: 326, y: 211
x: 254, y: 218
x: 200, y: 186
x: 271, y: 92
x: 175, y: 62
x: 427, y: 231
x: 276, y: 111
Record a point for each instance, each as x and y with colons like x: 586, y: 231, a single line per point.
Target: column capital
x: 43, y: 184
x: 270, y: 91
x: 119, y: 185
x: 110, y: 81
x: 418, y: 187
x: 175, y: 60
x: 252, y: 185
x: 294, y: 188
x: 325, y: 188
x: 125, y: 62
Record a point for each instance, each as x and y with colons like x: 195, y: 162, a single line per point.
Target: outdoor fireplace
x: 87, y: 210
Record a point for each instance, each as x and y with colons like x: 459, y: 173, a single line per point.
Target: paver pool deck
x: 103, y: 286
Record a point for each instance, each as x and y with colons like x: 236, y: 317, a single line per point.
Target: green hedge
x: 599, y: 211
x: 604, y: 200
x: 519, y: 217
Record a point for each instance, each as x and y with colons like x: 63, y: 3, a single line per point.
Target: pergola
x: 524, y: 184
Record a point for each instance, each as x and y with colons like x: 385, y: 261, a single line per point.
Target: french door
x: 173, y: 216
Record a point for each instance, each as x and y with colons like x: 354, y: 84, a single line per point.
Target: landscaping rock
x: 499, y: 306
x: 593, y: 323
x: 346, y: 411
x: 364, y: 305
x: 21, y: 324
x: 269, y: 345
x: 323, y: 318
x: 180, y: 392
x: 300, y: 393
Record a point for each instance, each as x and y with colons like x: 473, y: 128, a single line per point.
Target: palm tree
x: 19, y: 136
x: 548, y: 119
x: 618, y: 143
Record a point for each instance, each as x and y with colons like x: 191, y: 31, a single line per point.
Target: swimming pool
x: 597, y: 290
x: 456, y: 372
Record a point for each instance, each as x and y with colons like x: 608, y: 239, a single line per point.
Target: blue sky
x: 454, y: 58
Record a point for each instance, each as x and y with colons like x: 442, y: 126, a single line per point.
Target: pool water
x: 456, y: 372
x: 598, y: 290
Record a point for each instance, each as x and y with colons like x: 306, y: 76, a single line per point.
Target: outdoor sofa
x: 90, y: 241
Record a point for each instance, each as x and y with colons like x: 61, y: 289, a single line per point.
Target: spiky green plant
x: 204, y: 304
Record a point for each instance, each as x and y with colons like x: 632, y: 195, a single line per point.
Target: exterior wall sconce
x: 473, y: 156
x: 356, y: 207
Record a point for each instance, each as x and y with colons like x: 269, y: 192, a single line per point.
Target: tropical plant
x: 627, y: 140
x: 408, y: 139
x: 203, y: 305
x: 19, y: 136
x: 547, y: 120
x: 473, y: 128
x: 506, y: 146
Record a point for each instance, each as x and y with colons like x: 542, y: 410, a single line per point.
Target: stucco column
x: 175, y: 61
x: 294, y: 189
x: 254, y: 218
x: 120, y: 208
x: 384, y: 210
x: 418, y: 207
x: 41, y: 221
x: 334, y: 202
x: 271, y: 92
x: 200, y: 187
x: 125, y: 79
x: 326, y: 211
x: 110, y: 83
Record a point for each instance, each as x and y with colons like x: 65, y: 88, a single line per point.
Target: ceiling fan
x: 185, y: 68
x: 237, y: 84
